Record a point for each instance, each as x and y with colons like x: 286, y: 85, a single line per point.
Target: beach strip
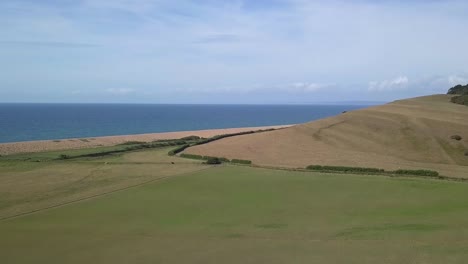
x: 90, y: 142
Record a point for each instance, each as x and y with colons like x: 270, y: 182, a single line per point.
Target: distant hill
x: 461, y: 94
x: 418, y: 133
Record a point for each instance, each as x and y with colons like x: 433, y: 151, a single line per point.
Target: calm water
x: 23, y: 122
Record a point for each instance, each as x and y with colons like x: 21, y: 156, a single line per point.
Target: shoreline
x: 106, y: 141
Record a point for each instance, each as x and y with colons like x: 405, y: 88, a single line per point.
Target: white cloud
x: 457, y: 79
x: 163, y: 46
x: 435, y: 84
x: 306, y: 87
x: 120, y: 91
x: 398, y: 83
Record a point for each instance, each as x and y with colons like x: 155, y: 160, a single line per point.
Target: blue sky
x: 283, y: 51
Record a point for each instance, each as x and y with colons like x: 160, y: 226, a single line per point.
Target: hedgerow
x: 191, y: 156
x: 178, y: 150
x: 344, y: 169
x: 417, y: 172
x: 240, y: 161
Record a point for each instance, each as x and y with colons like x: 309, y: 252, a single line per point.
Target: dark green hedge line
x: 343, y: 169
x: 240, y: 161
x: 222, y: 159
x: 428, y: 173
x: 208, y: 140
x: 460, y: 99
x: 178, y: 150
x: 191, y: 156
x: 200, y: 141
x: 191, y: 138
x: 130, y: 147
x: 417, y: 172
x: 213, y: 161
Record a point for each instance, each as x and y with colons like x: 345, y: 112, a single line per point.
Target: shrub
x: 458, y: 89
x: 213, y: 160
x: 460, y: 99
x: 208, y: 140
x: 63, y: 156
x: 220, y: 159
x: 240, y: 161
x: 344, y: 169
x: 417, y: 172
x: 456, y: 137
x: 191, y: 138
x: 191, y: 156
x: 177, y: 150
x: 314, y: 167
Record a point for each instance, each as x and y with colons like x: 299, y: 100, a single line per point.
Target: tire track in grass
x: 102, y: 194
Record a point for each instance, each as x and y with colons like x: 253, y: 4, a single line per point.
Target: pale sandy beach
x: 77, y: 143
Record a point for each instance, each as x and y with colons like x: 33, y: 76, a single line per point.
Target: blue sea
x: 25, y: 122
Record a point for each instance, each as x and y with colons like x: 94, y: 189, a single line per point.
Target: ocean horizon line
x: 195, y: 104
x: 30, y: 122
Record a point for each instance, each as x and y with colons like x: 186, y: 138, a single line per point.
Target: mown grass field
x: 27, y: 185
x: 227, y: 214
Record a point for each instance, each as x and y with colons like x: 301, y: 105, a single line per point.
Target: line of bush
x: 461, y: 94
x: 191, y: 156
x: 130, y: 147
x: 428, y: 173
x: 213, y: 161
x: 460, y: 99
x: 240, y: 161
x: 218, y: 137
x: 195, y: 140
x: 222, y: 159
x: 178, y: 150
x: 191, y: 138
x: 344, y: 169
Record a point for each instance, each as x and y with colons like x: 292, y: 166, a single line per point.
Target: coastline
x: 78, y: 143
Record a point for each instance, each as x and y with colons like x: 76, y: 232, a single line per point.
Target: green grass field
x: 192, y: 213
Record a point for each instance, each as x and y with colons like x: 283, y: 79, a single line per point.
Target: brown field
x: 79, y: 143
x: 408, y: 134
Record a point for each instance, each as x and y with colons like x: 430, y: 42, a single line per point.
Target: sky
x: 252, y: 52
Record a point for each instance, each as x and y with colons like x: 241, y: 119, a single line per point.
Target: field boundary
x: 387, y: 174
x: 400, y: 173
x: 218, y: 137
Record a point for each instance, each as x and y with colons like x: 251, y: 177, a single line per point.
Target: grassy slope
x: 26, y: 185
x: 411, y: 134
x: 247, y: 215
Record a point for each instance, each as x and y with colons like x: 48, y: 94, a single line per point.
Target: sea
x: 29, y: 121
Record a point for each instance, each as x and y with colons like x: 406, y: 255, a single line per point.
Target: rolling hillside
x: 408, y: 134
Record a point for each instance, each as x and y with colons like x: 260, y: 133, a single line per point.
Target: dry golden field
x: 406, y: 134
